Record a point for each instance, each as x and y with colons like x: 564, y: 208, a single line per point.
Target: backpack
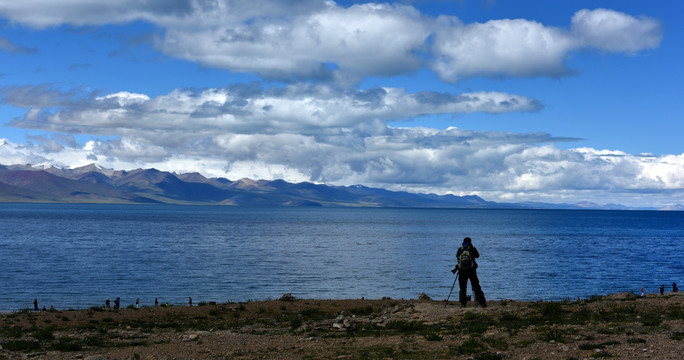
x: 465, y: 260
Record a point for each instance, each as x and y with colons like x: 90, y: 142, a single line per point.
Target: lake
x: 77, y: 255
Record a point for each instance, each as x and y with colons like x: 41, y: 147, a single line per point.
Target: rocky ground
x: 621, y: 326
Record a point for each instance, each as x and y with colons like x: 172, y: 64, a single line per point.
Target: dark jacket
x: 473, y: 253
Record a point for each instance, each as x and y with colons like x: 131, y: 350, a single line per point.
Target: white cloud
x: 300, y: 109
x: 501, y: 48
x: 323, y: 40
x: 125, y: 98
x: 45, y: 13
x: 318, y: 44
x: 300, y: 128
x: 614, y: 31
x: 524, y: 48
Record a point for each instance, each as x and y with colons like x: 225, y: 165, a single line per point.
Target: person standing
x: 35, y: 304
x: 137, y: 303
x: 467, y: 270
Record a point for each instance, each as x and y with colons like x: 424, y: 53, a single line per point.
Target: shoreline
x: 621, y: 325
x: 213, y: 302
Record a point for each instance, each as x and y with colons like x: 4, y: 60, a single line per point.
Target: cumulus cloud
x: 323, y: 43
x: 501, y: 48
x: 524, y: 48
x: 612, y: 31
x: 301, y: 109
x: 322, y: 40
x: 300, y: 128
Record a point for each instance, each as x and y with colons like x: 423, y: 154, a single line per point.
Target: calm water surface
x: 75, y: 256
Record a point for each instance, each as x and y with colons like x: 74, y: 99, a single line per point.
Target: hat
x: 466, y: 240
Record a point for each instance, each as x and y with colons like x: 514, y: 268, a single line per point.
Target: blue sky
x: 512, y: 101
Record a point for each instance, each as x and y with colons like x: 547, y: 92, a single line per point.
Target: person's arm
x: 458, y: 254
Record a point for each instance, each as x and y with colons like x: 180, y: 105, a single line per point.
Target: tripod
x: 452, y: 287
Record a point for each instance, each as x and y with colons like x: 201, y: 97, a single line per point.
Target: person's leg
x: 462, y: 287
x: 479, y: 295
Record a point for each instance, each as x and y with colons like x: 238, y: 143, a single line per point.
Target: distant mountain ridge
x: 95, y: 184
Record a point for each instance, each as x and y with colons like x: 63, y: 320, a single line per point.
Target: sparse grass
x: 652, y: 319
x: 312, y: 313
x: 590, y: 346
x: 67, y: 344
x: 403, y: 326
x: 44, y: 334
x: 594, y: 298
x: 524, y: 343
x: 498, y: 343
x: 475, y: 324
x: 551, y: 312
x: 636, y: 341
x: 362, y: 311
x: 295, y: 323
x: 552, y: 334
x: 20, y: 345
x: 489, y: 356
x: 13, y: 331
x: 675, y: 313
x: 432, y: 336
x: 471, y: 346
x: 606, y: 330
x: 511, y: 322
x: 679, y: 336
x: 492, y: 333
x: 601, y: 354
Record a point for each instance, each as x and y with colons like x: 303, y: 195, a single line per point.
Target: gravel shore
x: 622, y: 326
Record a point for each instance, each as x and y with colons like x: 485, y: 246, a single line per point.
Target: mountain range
x: 95, y: 184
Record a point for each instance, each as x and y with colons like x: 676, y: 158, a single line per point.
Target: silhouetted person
x: 137, y: 303
x: 662, y: 289
x: 35, y: 304
x: 190, y: 301
x: 674, y: 287
x: 117, y: 303
x: 467, y: 269
x: 156, y: 302
x: 107, y: 303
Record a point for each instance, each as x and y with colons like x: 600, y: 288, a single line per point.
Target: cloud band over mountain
x: 310, y: 117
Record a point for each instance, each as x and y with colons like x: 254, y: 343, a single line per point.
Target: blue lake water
x: 76, y: 256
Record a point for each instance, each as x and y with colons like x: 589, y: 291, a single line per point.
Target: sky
x: 552, y: 101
